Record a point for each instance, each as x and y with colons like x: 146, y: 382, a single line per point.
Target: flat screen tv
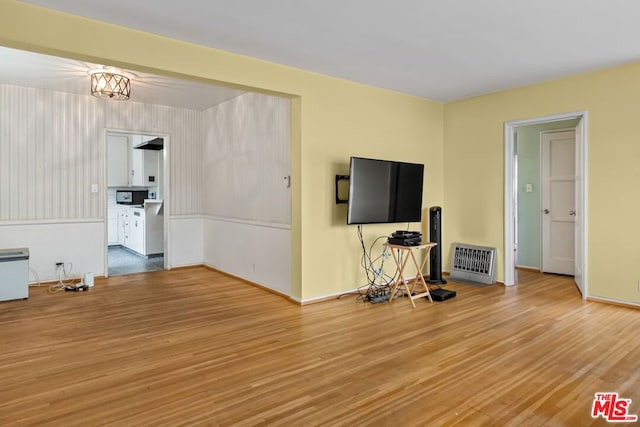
x: 383, y: 191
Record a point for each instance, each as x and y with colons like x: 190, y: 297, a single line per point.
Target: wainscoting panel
x: 256, y: 252
x: 185, y: 242
x: 80, y: 245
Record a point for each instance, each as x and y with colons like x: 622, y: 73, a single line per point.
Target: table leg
x: 401, y: 279
x: 419, y: 279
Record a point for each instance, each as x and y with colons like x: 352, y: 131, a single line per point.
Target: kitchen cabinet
x: 154, y: 227
x: 123, y: 226
x: 138, y: 229
x: 145, y: 230
x: 144, y: 163
x: 112, y: 226
x: 130, y: 167
x: 117, y: 161
x: 136, y: 239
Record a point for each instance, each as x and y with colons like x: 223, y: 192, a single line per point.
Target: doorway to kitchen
x: 136, y: 202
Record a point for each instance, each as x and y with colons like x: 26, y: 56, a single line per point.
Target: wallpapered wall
x: 52, y: 150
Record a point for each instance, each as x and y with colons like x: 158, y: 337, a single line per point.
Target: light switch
x: 94, y: 188
x: 529, y: 188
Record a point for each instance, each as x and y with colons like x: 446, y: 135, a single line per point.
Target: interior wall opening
x: 524, y: 210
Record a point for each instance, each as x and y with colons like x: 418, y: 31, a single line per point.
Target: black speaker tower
x: 435, y: 236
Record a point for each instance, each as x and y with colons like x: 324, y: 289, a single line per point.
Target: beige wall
x: 332, y: 120
x: 474, y: 165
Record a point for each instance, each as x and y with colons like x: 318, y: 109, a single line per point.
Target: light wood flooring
x: 195, y: 347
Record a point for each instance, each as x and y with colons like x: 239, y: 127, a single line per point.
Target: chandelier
x: 108, y: 84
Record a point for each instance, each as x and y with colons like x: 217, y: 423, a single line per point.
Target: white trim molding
x: 509, y: 190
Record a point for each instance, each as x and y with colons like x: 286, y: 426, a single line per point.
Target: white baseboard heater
x: 14, y: 274
x: 475, y: 264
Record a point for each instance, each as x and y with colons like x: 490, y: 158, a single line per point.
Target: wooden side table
x: 418, y: 281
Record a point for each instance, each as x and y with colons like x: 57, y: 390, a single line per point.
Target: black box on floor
x: 441, y: 294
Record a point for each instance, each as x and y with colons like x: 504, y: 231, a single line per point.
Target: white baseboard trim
x: 251, y: 282
x: 335, y: 295
x: 327, y: 297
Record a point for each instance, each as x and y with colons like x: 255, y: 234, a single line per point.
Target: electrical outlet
x: 638, y: 285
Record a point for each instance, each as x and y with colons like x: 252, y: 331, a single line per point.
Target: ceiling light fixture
x: 110, y: 84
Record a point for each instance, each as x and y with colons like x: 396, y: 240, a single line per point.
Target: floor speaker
x: 435, y: 236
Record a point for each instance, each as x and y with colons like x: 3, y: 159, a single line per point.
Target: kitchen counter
x: 153, y: 205
x: 138, y: 227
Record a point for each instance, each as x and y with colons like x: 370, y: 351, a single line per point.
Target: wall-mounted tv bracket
x: 338, y: 179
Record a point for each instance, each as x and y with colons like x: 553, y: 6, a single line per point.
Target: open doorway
x: 533, y: 191
x: 136, y: 202
x: 525, y: 216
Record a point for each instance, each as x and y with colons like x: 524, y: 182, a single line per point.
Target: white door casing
x: 558, y: 201
x: 579, y: 225
x: 509, y: 193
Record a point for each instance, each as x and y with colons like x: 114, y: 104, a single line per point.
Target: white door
x: 558, y: 202
x: 579, y: 214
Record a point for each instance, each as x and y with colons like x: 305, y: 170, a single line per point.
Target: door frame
x: 166, y: 196
x: 510, y: 190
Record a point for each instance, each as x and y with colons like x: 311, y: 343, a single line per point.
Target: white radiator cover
x: 476, y: 264
x: 14, y: 274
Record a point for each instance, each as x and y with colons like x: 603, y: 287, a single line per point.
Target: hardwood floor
x: 195, y: 347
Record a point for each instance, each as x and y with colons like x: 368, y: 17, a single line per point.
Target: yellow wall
x: 474, y: 168
x: 337, y: 119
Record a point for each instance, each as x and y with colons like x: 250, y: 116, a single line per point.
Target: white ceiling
x: 29, y: 69
x: 437, y: 49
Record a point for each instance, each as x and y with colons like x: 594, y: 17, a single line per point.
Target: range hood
x: 152, y: 144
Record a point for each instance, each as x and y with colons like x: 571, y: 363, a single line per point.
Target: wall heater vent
x: 475, y: 264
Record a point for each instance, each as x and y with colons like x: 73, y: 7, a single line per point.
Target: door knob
x: 572, y: 213
x: 546, y: 211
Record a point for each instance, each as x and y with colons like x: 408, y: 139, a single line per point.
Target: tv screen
x: 383, y: 191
